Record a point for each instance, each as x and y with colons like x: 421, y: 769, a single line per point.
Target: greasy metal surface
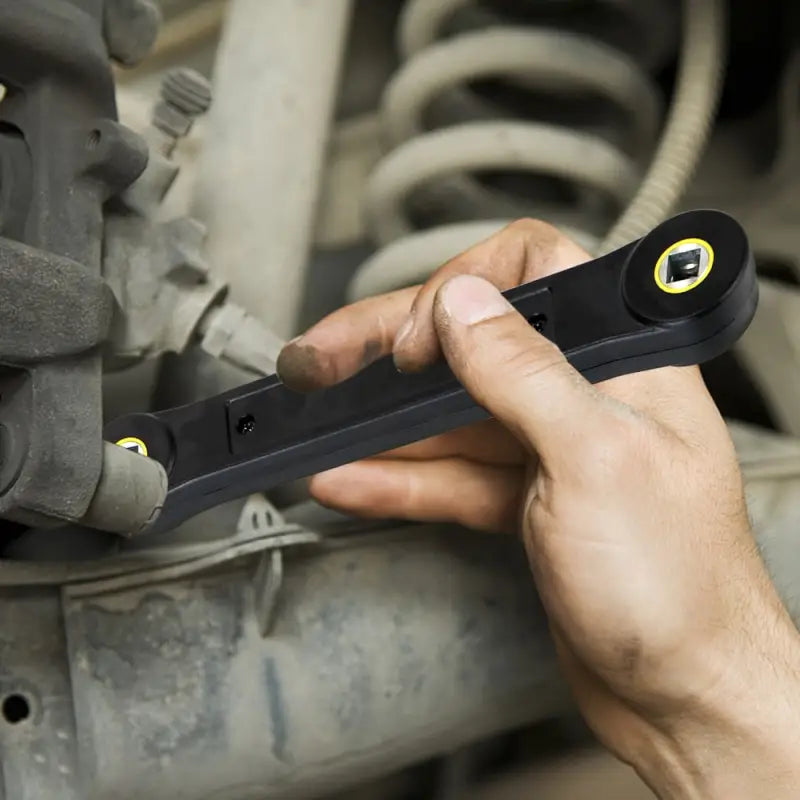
x: 159, y: 275
x: 39, y: 753
x: 63, y: 156
x: 32, y: 286
x: 767, y: 202
x: 156, y: 265
x: 374, y: 659
x: 759, y: 186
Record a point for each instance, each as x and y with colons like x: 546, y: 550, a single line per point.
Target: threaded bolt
x: 185, y: 95
x: 187, y: 90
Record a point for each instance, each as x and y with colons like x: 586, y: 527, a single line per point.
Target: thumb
x: 515, y: 373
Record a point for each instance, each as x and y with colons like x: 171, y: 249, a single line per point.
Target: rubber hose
x: 688, y: 127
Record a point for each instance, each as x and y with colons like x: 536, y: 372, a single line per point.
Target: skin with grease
x: 629, y: 500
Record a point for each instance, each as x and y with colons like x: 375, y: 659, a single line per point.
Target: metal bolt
x: 538, y: 322
x: 245, y: 425
x: 187, y: 90
x: 185, y: 95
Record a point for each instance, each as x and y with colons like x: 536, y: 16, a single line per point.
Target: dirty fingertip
x: 301, y: 366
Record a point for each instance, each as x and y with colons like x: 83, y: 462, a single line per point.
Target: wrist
x: 742, y: 740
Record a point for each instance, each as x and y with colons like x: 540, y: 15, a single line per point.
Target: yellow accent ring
x: 671, y: 290
x: 128, y: 440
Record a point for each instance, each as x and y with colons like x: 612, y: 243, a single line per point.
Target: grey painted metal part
x: 130, y: 28
x: 130, y: 493
x: 40, y: 752
x: 64, y: 155
x: 169, y: 298
x: 362, y: 636
x: 372, y: 660
x: 230, y: 333
x: 161, y: 280
x: 185, y: 95
x: 275, y: 82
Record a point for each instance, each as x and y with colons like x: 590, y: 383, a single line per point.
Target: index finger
x: 352, y: 337
x: 345, y: 341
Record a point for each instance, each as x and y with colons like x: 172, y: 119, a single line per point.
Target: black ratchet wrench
x: 681, y: 295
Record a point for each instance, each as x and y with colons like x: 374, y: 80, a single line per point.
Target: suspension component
x: 681, y: 295
x: 464, y: 160
x: 63, y: 155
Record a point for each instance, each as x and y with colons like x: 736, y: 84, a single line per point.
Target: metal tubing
x: 380, y: 654
x: 275, y: 83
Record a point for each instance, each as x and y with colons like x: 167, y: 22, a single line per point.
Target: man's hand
x: 629, y: 500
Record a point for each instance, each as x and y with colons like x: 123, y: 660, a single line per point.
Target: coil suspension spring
x: 510, y: 109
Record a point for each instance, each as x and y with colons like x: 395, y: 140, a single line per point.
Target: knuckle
x: 409, y: 492
x: 475, y: 260
x: 546, y: 248
x: 509, y: 233
x: 533, y: 358
x: 453, y: 266
x: 537, y: 369
x: 541, y: 240
x: 532, y: 226
x: 506, y: 255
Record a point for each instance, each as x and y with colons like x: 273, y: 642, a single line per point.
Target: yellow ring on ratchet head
x: 665, y: 287
x: 141, y: 447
